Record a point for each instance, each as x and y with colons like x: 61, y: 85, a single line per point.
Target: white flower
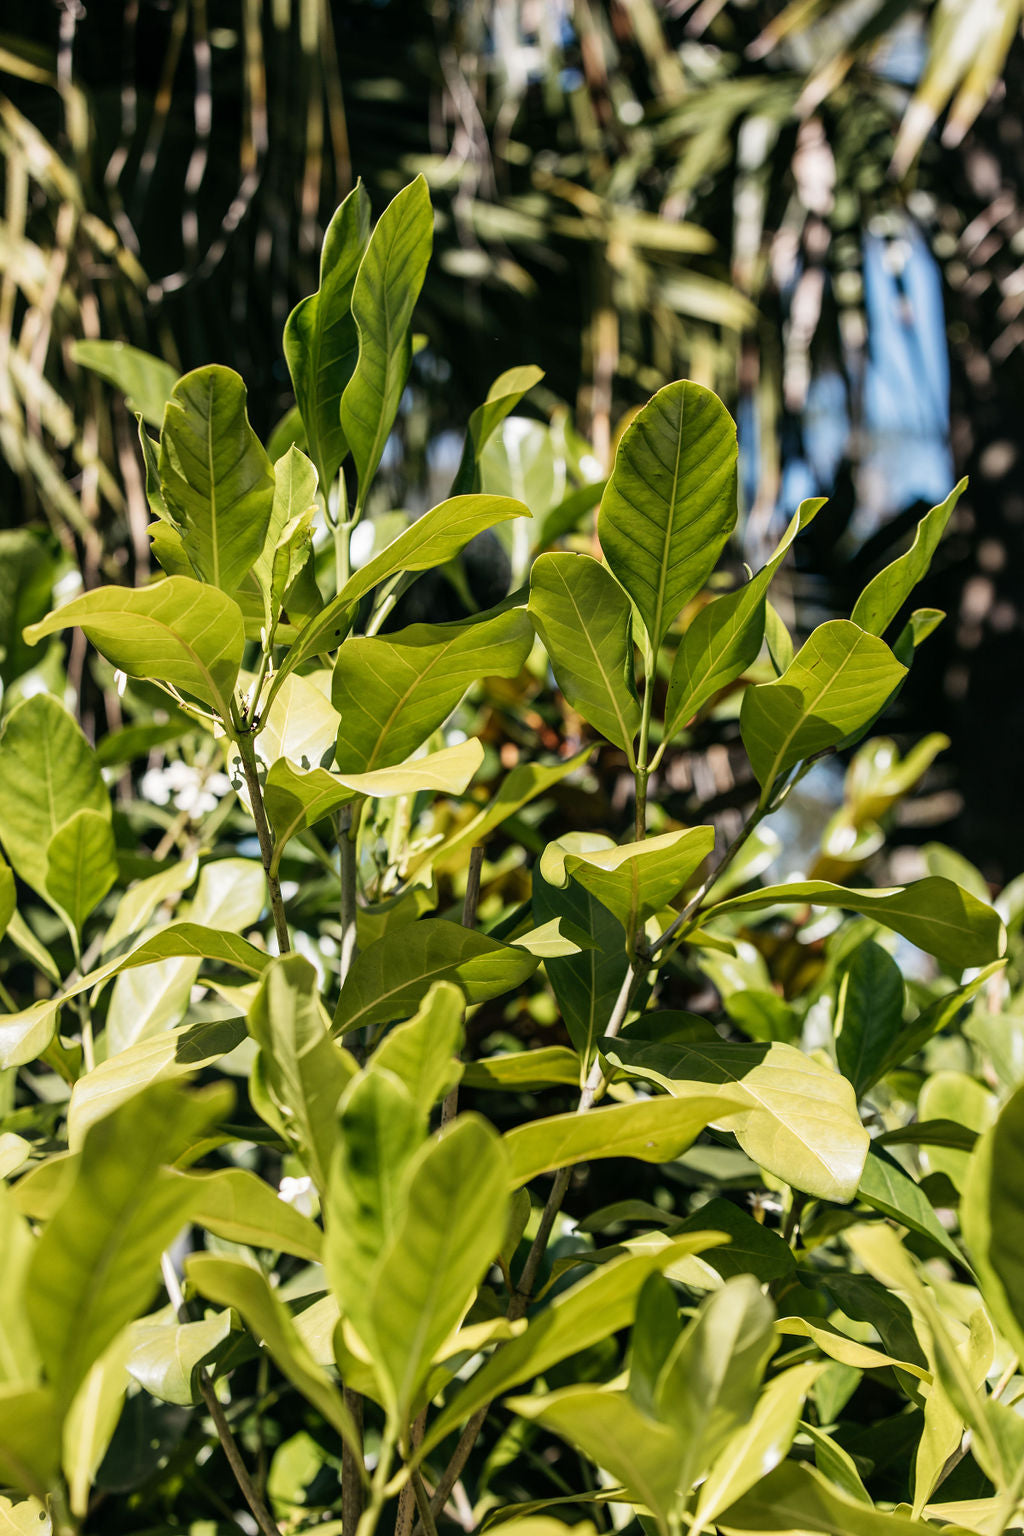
x: 297, y: 1192
x: 190, y: 791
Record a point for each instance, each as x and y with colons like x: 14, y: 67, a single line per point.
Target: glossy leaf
x: 145, y: 381
x: 24, y: 1517
x: 48, y: 776
x: 243, y: 1208
x: 91, y: 1421
x: 96, y: 1265
x: 423, y: 1053
x: 392, y: 977
x: 885, y: 594
x: 81, y: 865
x: 452, y: 1225
x: 753, y: 1248
x: 936, y: 915
x: 305, y: 1071
x: 990, y: 1213
x: 725, y: 637
x: 670, y: 503
x: 637, y: 879
x: 173, y: 1054
x: 288, y: 541
x: 417, y: 676
x: 654, y: 1130
x: 502, y: 397
x: 802, y: 1124
x: 215, y: 475
x: 234, y: 1283
x: 583, y: 618
x: 320, y: 338
x: 869, y: 1013
x: 178, y: 631
x: 164, y: 1357
x: 525, y: 783
x: 834, y: 687
x: 797, y: 1498
x: 432, y: 540
x: 886, y: 1186
x: 524, y: 1071
x: 384, y: 296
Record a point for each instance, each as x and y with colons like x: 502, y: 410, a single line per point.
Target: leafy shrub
x: 247, y: 1212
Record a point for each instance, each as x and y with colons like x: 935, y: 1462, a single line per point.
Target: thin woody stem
x: 450, y: 1107
x: 247, y: 753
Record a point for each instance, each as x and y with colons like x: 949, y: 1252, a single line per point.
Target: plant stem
x: 371, y: 1514
x: 471, y: 901
x: 229, y: 1445
x: 247, y: 753
x: 353, y: 1469
x: 348, y: 826
x: 407, y: 1501
x: 423, y: 1503
x: 642, y: 771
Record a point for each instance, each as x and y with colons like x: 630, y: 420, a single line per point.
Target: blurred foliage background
x: 813, y: 207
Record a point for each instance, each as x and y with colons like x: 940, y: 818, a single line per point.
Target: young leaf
x: 177, y: 631
x: 215, y: 475
x: 451, y: 1228
x: 145, y: 381
x: 81, y: 865
x: 419, y: 675
x: 422, y: 1053
x: 235, y: 1283
x: 638, y: 879
x: 288, y: 540
x: 384, y: 296
x: 833, y: 688
x: 802, y: 1124
x: 575, y: 1319
x: 936, y: 915
x: 585, y: 985
x: 583, y: 618
x: 391, y: 978
x: 305, y: 1071
x: 320, y: 339
x: 434, y: 539
x: 48, y: 776
x: 670, y: 503
x: 502, y: 397
x: 96, y: 1265
x: 885, y: 594
x: 655, y: 1130
x: 725, y: 637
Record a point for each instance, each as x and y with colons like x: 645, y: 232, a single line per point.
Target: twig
x: 352, y: 1468
x: 450, y: 1107
x: 229, y: 1444
x: 349, y: 947
x: 247, y: 755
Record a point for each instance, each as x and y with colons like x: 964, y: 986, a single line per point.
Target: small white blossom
x: 186, y: 785
x: 297, y: 1192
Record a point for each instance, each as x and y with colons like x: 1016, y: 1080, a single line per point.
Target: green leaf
x: 294, y: 799
x: 752, y: 1247
x: 585, y: 985
x: 380, y: 1129
x: 936, y: 915
x: 869, y: 1012
x: 384, y: 296
x: 757, y: 1446
x: 711, y: 1375
x: 173, y: 1054
x: 931, y: 1020
x: 422, y: 1053
x: 524, y: 1071
x: 240, y: 1207
x: 19, y: 1358
x: 320, y: 338
x: 885, y: 594
x: 612, y: 1431
x: 670, y: 503
x: 725, y: 637
x: 418, y: 676
x: 177, y: 631
x: 288, y: 542
x: 145, y: 381
x: 215, y: 475
x: 885, y: 1186
x: 24, y: 1517
x: 502, y: 397
x: 583, y: 618
x: 305, y: 1071
x: 29, y: 1439
x: 834, y: 687
x: 391, y: 978
x: 81, y: 865
x: 97, y: 1263
x: 165, y: 1357
x: 991, y: 1213
x: 654, y: 1130
x: 91, y: 1421
x: 518, y: 788
x: 802, y: 1124
x: 234, y: 1283
x: 577, y: 1318
x: 797, y: 1498
x: 434, y: 539
x: 452, y: 1226
x: 48, y: 776
x: 637, y: 879
x: 956, y: 1100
